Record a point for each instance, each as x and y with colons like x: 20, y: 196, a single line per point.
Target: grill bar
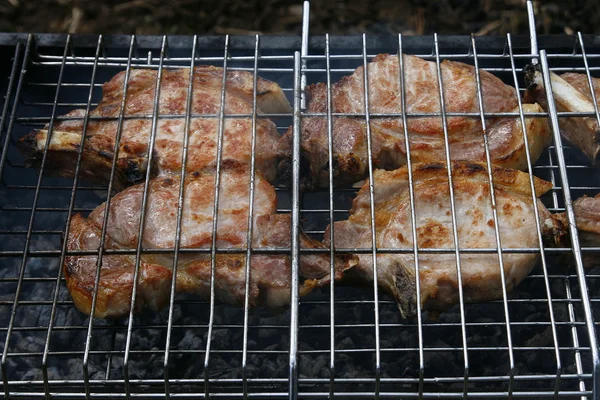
x: 413, y: 217
x: 382, y: 250
x: 98, y: 264
x: 160, y: 382
x: 215, y: 217
x: 3, y: 159
x: 589, y: 76
x: 180, y: 203
x: 143, y: 212
x: 349, y: 351
x: 304, y: 50
x: 29, y: 229
x: 6, y: 106
x: 295, y: 231
x: 331, y: 218
x: 372, y: 214
x: 122, y: 62
x: 454, y: 227
x: 250, y: 222
x: 532, y: 31
x: 318, y: 395
x: 567, y: 286
x: 495, y: 217
x: 584, y: 56
x: 64, y: 247
x: 578, y: 364
x: 535, y: 206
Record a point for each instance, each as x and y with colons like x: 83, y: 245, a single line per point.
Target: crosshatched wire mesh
x: 350, y: 342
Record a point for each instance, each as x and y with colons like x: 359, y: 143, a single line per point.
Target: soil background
x: 485, y: 17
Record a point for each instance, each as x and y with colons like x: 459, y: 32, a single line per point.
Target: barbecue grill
x: 538, y: 341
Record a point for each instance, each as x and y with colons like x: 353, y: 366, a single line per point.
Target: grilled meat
x: 587, y: 219
x: 474, y: 220
x: 132, y: 158
x: 571, y: 93
x: 505, y: 135
x: 269, y: 273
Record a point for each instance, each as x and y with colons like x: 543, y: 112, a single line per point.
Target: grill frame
x: 297, y: 386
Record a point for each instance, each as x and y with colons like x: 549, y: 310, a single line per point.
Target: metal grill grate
x: 539, y: 341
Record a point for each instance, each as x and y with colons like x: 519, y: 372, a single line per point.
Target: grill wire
x: 539, y: 341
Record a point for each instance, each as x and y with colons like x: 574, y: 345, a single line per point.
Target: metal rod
x: 490, y: 378
x: 284, y: 250
x: 358, y: 115
x: 180, y: 204
x: 595, y: 103
x: 295, y: 233
x: 321, y: 395
x: 532, y: 32
x: 566, y: 285
x: 22, y: 75
x: 574, y: 336
x: 249, y: 237
x: 453, y: 213
x: 331, y: 226
x: 413, y: 213
x: 589, y: 77
x: 373, y: 225
x: 493, y: 204
x: 537, y: 218
x: 215, y: 222
x: 60, y: 263
x: 366, y: 351
x: 304, y: 50
x: 175, y: 62
x: 143, y: 211
x: 101, y: 246
x: 75, y: 181
x: 7, y: 98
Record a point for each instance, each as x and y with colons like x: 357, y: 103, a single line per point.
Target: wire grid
x: 583, y: 57
x: 76, y: 74
x: 351, y: 342
x: 562, y: 328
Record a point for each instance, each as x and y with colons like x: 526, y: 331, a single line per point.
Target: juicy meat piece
x: 136, y: 132
x: 475, y: 224
x: 350, y: 159
x: 571, y: 93
x: 269, y: 275
x: 587, y: 219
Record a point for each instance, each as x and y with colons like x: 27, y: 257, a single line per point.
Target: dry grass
x: 487, y: 17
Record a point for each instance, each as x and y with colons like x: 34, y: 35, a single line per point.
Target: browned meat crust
x: 475, y: 225
x: 571, y: 93
x: 587, y: 220
x: 270, y: 273
x: 98, y: 151
x: 350, y: 157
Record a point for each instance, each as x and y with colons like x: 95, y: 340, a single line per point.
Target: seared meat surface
x: 350, y: 157
x: 587, y: 220
x: 571, y: 92
x: 132, y: 158
x: 474, y: 220
x: 269, y: 273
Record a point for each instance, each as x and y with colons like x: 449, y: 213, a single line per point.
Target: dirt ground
x: 485, y: 17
